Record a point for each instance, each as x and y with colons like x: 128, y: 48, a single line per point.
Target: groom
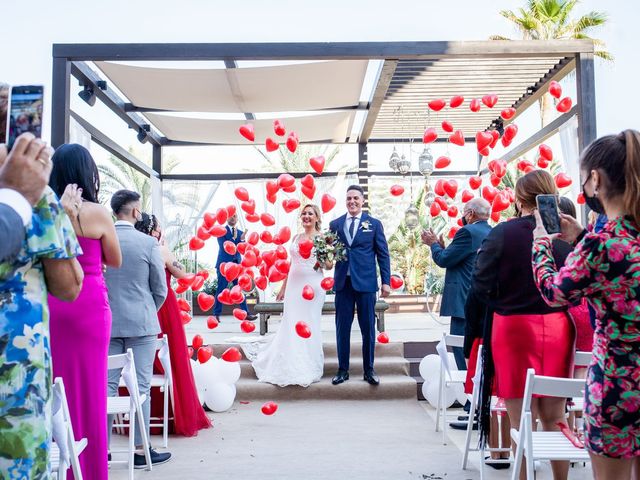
x: 356, y: 282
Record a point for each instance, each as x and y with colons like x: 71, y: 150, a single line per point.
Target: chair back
x: 582, y: 359
x: 62, y: 429
x: 128, y: 365
x: 441, y: 348
x: 163, y: 355
x: 550, y: 387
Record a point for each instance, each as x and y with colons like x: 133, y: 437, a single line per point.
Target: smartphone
x: 25, y: 112
x: 548, y: 209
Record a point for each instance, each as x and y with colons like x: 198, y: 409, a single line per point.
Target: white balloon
x: 212, y: 372
x: 229, y: 371
x: 430, y: 392
x: 461, y: 397
x: 430, y: 368
x: 219, y: 396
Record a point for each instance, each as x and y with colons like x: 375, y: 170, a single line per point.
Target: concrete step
x: 391, y: 386
x: 382, y: 365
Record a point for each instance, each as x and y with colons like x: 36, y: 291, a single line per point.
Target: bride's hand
x: 280, y: 295
x: 328, y: 265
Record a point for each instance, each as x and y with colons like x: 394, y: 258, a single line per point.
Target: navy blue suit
x: 459, y: 259
x: 224, y: 257
x: 359, y: 288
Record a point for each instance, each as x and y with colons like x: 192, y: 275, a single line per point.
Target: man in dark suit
x: 356, y: 282
x: 459, y: 259
x: 236, y: 236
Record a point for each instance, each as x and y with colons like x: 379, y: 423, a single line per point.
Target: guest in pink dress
x: 80, y: 330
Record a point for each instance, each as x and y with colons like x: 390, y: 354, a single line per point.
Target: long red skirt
x: 519, y: 342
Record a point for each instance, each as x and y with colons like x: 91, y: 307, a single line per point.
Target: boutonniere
x: 365, y: 226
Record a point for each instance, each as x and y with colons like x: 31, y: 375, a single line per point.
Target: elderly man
x: 459, y: 259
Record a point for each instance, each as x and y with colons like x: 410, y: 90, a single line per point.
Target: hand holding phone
x: 548, y: 210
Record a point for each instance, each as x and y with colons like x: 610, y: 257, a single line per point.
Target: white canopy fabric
x: 329, y: 127
x: 297, y: 87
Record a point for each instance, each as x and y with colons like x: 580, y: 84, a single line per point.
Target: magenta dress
x: 80, y: 333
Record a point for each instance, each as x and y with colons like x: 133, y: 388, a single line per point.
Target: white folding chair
x: 65, y: 449
x: 130, y: 406
x: 581, y: 359
x: 475, y: 396
x: 448, y: 377
x: 165, y: 383
x: 544, y: 445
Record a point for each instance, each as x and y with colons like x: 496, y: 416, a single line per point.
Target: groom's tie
x: 353, y: 222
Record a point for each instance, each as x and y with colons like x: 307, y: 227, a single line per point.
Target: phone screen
x: 548, y: 209
x: 25, y: 112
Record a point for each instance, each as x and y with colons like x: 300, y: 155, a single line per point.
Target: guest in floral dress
x: 45, y: 262
x: 605, y: 268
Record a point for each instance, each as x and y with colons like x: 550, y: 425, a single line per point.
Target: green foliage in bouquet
x: 328, y: 248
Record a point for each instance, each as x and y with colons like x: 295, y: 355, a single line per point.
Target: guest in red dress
x: 188, y: 414
x: 526, y: 332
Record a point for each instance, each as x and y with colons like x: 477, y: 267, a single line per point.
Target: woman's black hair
x: 566, y: 206
x: 147, y: 225
x: 72, y: 163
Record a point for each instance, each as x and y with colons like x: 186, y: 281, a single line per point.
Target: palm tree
x: 551, y: 19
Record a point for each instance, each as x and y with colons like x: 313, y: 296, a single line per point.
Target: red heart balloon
x: 252, y: 218
x: 209, y: 219
x: 545, y: 152
x: 185, y: 318
x: 317, y: 163
x: 555, y: 89
x: 205, y: 301
x: 195, y: 243
x: 231, y: 210
x: 181, y: 289
x: 303, y: 330
x: 475, y: 182
x: 435, y: 209
x: 447, y: 126
x: 438, y: 187
x: 281, y: 253
x: 221, y: 215
x: 489, y: 193
x: 217, y: 231
x: 236, y: 296
x: 272, y: 187
x: 276, y: 275
x: 292, y: 143
x: 485, y: 152
x: 505, y: 141
x: 197, y: 342
x: 396, y: 282
x: 231, y: 354
x: 229, y: 247
x: 563, y: 180
x: 459, y: 222
x: 508, y: 113
x: 542, y: 163
x: 224, y: 297
x: 197, y: 283
x: 490, y: 100
x: 396, y: 190
x: 496, y: 136
x: 308, y: 293
x: 187, y: 280
x: 269, y: 408
x: 495, y: 180
x: 272, y: 198
x: 244, y: 281
x: 442, y: 162
x: 580, y: 200
x: 475, y: 105
x: 241, y: 194
x: 184, y: 305
x: 430, y: 135
x: 285, y: 180
x: 495, y: 216
x: 267, y: 219
x: 450, y: 188
x: 383, y: 337
x: 308, y: 181
x: 247, y: 327
x: 500, y: 202
x: 239, y: 314
x: 466, y: 196
x: 510, y: 131
x: 457, y: 138
x: 212, y: 322
x: 305, y: 245
x: 456, y: 101
x: 203, y: 234
x: 483, y: 140
x: 308, y: 192
x: 290, y: 205
x: 278, y: 128
x: 247, y: 131
x: 253, y: 238
x: 452, y: 211
x: 327, y: 203
x: 437, y: 104
x: 282, y: 266
x: 452, y: 232
x: 204, y: 354
x: 261, y: 282
x: 271, y: 145
x: 248, y: 206
x: 327, y: 283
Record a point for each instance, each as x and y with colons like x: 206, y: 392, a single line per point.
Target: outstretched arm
x: 456, y: 252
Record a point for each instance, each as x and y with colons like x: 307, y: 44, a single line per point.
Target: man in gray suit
x: 136, y: 291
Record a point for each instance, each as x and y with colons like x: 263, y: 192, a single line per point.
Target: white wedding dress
x: 289, y: 359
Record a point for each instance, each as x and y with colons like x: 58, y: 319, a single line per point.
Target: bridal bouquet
x: 329, y: 249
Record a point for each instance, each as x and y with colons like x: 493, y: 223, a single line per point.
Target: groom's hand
x: 385, y: 290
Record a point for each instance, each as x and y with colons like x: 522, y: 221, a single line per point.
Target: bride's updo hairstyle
x: 316, y: 210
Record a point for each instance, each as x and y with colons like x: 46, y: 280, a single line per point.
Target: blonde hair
x: 316, y: 210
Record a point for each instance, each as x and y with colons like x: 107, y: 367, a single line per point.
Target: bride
x: 290, y: 359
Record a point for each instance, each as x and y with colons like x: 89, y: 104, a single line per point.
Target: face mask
x: 594, y: 202
x: 464, y: 221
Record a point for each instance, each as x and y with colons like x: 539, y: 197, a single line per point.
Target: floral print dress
x: 25, y: 358
x: 604, y: 268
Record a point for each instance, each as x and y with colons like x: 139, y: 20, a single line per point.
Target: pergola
x: 325, y: 84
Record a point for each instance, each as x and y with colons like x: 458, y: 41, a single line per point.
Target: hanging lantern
x: 429, y: 198
x: 425, y: 162
x: 393, y: 160
x: 404, y: 165
x: 411, y: 217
